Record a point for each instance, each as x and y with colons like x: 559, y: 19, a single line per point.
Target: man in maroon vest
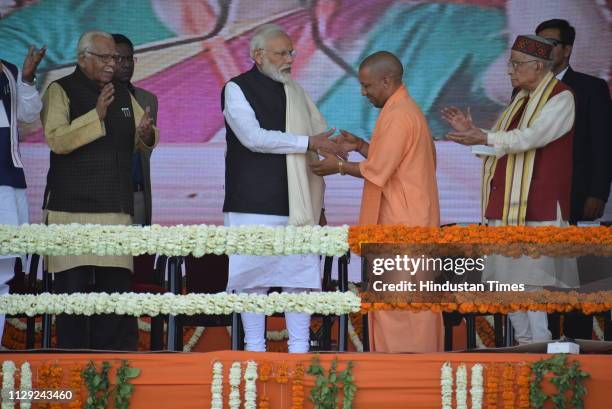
x: 527, y: 172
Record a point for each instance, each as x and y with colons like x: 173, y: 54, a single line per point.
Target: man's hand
x: 593, y: 208
x: 473, y: 136
x: 31, y: 62
x: 106, y: 97
x: 458, y: 120
x: 326, y: 166
x: 348, y: 141
x: 321, y: 143
x: 145, y: 128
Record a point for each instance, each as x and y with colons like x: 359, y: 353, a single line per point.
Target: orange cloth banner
x: 384, y: 381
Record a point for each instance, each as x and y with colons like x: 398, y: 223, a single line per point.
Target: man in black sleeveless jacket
x: 261, y: 107
x: 93, y: 126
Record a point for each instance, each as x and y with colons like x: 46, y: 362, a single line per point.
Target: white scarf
x: 306, y: 189
x: 13, y: 119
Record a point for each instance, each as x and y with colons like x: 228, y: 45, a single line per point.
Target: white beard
x: 275, y: 73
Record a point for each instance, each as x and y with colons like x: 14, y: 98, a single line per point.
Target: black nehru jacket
x: 257, y: 182
x: 97, y: 177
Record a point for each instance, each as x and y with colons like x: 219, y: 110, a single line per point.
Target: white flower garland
x: 197, y: 334
x: 8, y: 382
x: 106, y: 240
x: 477, y: 389
x: 137, y: 304
x: 142, y: 326
x: 461, y: 388
x: 351, y: 329
x: 446, y: 385
x: 277, y: 335
x: 234, y: 380
x: 216, y: 387
x: 26, y: 384
x: 250, y: 388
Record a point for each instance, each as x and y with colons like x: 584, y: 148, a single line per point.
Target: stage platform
x: 384, y: 381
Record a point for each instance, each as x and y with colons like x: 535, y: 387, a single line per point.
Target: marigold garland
x: 498, y: 302
x: 49, y: 377
x: 523, y: 382
x: 492, y: 386
x: 511, y: 241
x: 485, y: 331
x: 508, y: 394
x: 75, y: 383
x: 265, y: 370
x: 297, y: 389
x: 282, y: 373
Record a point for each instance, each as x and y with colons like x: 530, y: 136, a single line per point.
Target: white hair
x: 263, y: 34
x: 86, y: 41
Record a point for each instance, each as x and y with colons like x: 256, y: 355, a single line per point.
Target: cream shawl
x: 306, y: 189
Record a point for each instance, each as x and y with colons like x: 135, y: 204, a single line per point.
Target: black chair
x: 205, y: 275
x: 23, y: 283
x: 149, y: 277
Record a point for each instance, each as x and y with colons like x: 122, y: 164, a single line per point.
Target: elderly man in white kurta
x: 268, y: 121
x: 526, y: 180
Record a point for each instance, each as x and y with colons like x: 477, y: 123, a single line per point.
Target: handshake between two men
x: 335, y: 152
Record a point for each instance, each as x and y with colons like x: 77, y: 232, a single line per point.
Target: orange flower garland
x: 508, y: 394
x: 297, y: 390
x: 485, y: 332
x: 75, y: 384
x: 282, y: 373
x: 491, y: 386
x: 265, y: 369
x: 506, y: 240
x: 499, y: 302
x: 524, y: 381
x: 49, y: 377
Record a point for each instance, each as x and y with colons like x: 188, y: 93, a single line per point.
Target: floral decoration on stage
x: 511, y: 241
x: 514, y: 385
x: 500, y: 302
x: 329, y: 387
x: 102, y: 240
x: 138, y: 304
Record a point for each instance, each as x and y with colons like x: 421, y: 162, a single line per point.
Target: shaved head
x: 384, y: 64
x: 380, y: 75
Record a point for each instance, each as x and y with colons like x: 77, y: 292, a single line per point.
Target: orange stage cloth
x: 384, y: 381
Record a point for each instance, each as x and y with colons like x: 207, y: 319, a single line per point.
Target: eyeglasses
x: 554, y: 41
x: 127, y: 58
x: 284, y: 54
x: 516, y: 64
x: 106, y: 58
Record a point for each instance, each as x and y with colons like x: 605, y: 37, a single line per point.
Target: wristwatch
x: 28, y: 82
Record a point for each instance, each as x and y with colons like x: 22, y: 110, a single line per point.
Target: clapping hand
x: 106, y: 97
x: 457, y: 119
x: 145, y: 128
x: 31, y: 62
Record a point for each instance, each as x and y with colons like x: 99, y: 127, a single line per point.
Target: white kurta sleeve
x: 28, y: 101
x: 555, y: 120
x: 241, y: 118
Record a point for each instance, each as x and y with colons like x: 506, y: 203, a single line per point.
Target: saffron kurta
x: 400, y: 188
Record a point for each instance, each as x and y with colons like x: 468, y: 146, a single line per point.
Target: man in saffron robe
x: 527, y: 178
x: 399, y: 188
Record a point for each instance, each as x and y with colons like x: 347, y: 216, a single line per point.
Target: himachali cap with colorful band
x: 533, y: 45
